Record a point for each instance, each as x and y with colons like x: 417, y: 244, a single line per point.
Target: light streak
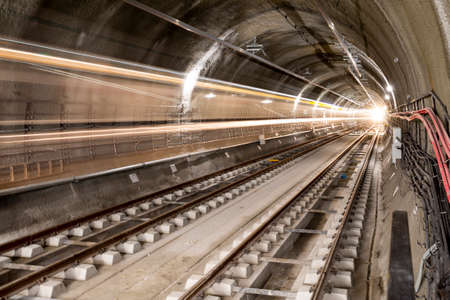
x: 135, y: 131
x: 83, y: 66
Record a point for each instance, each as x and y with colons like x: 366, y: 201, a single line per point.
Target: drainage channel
x: 319, y: 211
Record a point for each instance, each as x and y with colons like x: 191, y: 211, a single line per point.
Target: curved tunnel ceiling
x: 293, y: 33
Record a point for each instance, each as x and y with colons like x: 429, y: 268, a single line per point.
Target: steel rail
x: 13, y: 244
x: 28, y: 280
x: 318, y: 288
x: 205, y: 281
x: 237, y: 49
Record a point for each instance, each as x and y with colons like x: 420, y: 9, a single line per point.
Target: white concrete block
x: 165, y: 228
x: 349, y: 241
x: 80, y: 231
x: 132, y: 211
x: 272, y: 236
x: 243, y: 188
x: 286, y: 220
x: 99, y: 224
x: 192, y: 214
x: 252, y: 257
x: 293, y: 213
x: 303, y: 203
x: 188, y: 189
x: 280, y: 228
x: 158, y: 201
x: 129, y: 247
x: 107, y: 258
x: 180, y: 221
x: 150, y: 236
x: 220, y: 199
x: 51, y: 288
x: 241, y: 271
x: 80, y: 272
x: 169, y: 197
x: 145, y: 205
x: 223, y: 288
x: 56, y: 240
x: 30, y: 292
x: 353, y: 232
x: 29, y: 251
x: 263, y: 246
x: 117, y: 217
x: 198, y: 186
x: 214, y: 203
x: 361, y: 206
x: 358, y: 216
x: 229, y: 196
x: 360, y: 211
x: 349, y: 251
x: 236, y: 192
x: 344, y: 264
x: 203, y: 208
x: 355, y: 224
x: 341, y: 279
x: 210, y: 265
x: 192, y: 280
x: 179, y: 193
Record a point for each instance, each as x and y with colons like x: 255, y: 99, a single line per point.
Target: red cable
x: 443, y: 169
x: 442, y: 133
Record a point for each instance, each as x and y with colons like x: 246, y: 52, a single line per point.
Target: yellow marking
x: 273, y: 160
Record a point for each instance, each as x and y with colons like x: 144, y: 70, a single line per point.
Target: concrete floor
x: 172, y: 259
x: 397, y: 194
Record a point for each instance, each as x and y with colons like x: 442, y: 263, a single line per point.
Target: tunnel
x: 224, y: 149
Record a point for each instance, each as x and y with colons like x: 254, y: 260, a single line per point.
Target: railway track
x: 61, y: 250
x: 241, y: 269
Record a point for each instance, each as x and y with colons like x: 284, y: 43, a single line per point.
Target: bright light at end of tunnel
x: 378, y: 114
x: 387, y: 97
x: 389, y: 88
x: 266, y: 101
